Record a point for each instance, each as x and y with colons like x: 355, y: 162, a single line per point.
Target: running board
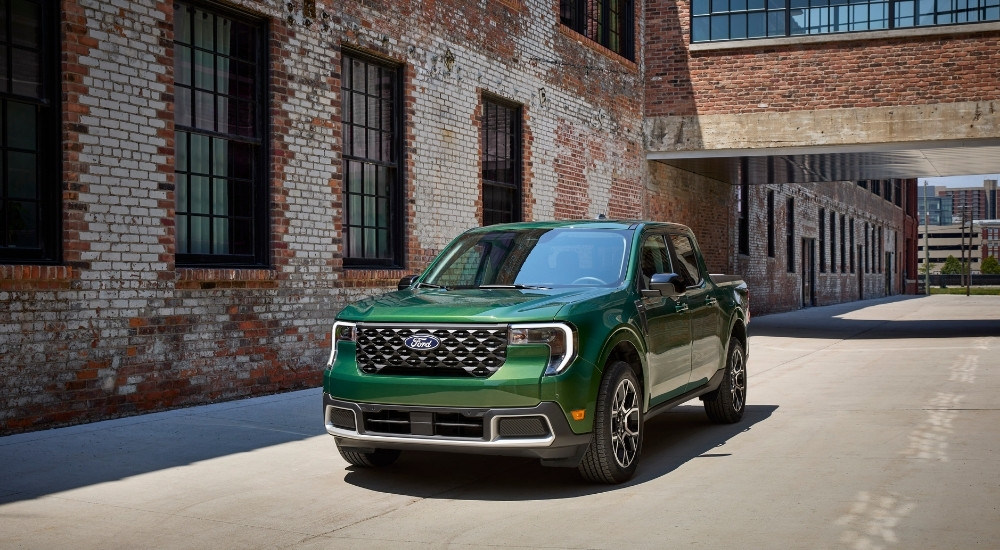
x: 708, y: 387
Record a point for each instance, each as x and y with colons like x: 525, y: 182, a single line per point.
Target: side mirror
x: 667, y: 284
x: 406, y: 282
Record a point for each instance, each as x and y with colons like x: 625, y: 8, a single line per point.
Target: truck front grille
x: 471, y: 350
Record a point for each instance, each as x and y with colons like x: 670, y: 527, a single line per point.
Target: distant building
x: 980, y: 202
x: 951, y: 240
x: 937, y: 209
x: 990, y: 231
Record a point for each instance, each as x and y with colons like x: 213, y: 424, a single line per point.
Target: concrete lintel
x: 823, y: 150
x: 852, y: 127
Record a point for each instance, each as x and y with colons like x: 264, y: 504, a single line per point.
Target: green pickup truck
x: 553, y: 340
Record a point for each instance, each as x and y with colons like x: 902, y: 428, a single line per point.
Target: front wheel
x: 726, y: 404
x: 377, y: 458
x: 614, y: 451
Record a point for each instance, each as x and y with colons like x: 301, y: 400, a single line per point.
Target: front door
x: 667, y: 325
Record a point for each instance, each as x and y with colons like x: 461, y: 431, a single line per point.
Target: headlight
x: 341, y: 332
x: 558, y: 337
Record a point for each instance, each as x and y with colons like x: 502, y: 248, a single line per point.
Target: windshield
x: 533, y: 258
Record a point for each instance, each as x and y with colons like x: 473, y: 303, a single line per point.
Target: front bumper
x: 541, y: 431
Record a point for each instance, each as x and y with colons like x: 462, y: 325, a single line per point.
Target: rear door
x: 667, y: 326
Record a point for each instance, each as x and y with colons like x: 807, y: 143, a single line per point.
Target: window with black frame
x: 716, y: 20
x: 743, y: 208
x: 501, y: 160
x: 610, y: 23
x: 790, y: 233
x: 30, y: 209
x: 770, y: 224
x: 372, y: 123
x: 220, y: 165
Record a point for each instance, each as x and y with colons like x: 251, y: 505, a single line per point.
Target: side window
x: 655, y: 258
x: 610, y: 23
x: 685, y: 259
x: 501, y: 160
x: 371, y: 91
x: 221, y: 167
x: 30, y: 210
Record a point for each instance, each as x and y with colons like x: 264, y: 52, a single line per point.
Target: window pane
x: 756, y: 25
x: 182, y: 234
x: 738, y: 26
x: 26, y: 73
x: 776, y: 23
x: 204, y: 69
x: 220, y: 236
x: 182, y: 23
x: 204, y: 110
x: 22, y: 224
x: 720, y: 27
x: 199, y: 195
x: 26, y: 20
x: 21, y: 126
x: 182, y: 65
x: 200, y: 235
x: 700, y: 30
x: 203, y: 28
x: 242, y: 237
x: 22, y: 176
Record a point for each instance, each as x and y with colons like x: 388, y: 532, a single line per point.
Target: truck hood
x: 427, y: 305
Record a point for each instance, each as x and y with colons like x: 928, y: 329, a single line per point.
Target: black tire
x: 726, y: 404
x: 614, y: 450
x: 378, y: 458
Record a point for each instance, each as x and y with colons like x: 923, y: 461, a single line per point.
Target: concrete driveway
x: 870, y: 425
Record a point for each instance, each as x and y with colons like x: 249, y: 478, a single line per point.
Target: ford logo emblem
x: 421, y: 342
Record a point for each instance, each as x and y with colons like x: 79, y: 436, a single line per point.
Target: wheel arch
x: 625, y: 346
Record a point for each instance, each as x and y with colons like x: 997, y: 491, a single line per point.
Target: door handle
x: 711, y: 302
x: 680, y: 308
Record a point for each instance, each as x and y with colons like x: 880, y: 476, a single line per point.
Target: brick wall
x: 118, y: 329
x: 895, y: 69
x: 774, y: 288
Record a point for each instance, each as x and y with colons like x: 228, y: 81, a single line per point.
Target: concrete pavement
x: 870, y: 425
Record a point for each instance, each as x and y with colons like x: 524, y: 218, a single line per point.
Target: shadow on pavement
x: 52, y: 461
x: 831, y: 322
x: 671, y: 440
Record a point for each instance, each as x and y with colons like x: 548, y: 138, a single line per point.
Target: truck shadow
x: 671, y: 440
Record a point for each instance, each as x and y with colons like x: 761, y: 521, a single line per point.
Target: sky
x: 960, y: 181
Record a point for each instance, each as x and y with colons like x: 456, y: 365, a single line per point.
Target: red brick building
x: 196, y: 187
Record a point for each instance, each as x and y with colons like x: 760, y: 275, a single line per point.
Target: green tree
x: 926, y: 268
x: 951, y: 266
x: 990, y: 266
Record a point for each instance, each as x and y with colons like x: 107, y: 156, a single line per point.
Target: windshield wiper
x: 517, y: 286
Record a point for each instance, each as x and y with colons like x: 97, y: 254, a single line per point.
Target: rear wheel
x: 614, y: 451
x: 377, y: 458
x: 726, y: 404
